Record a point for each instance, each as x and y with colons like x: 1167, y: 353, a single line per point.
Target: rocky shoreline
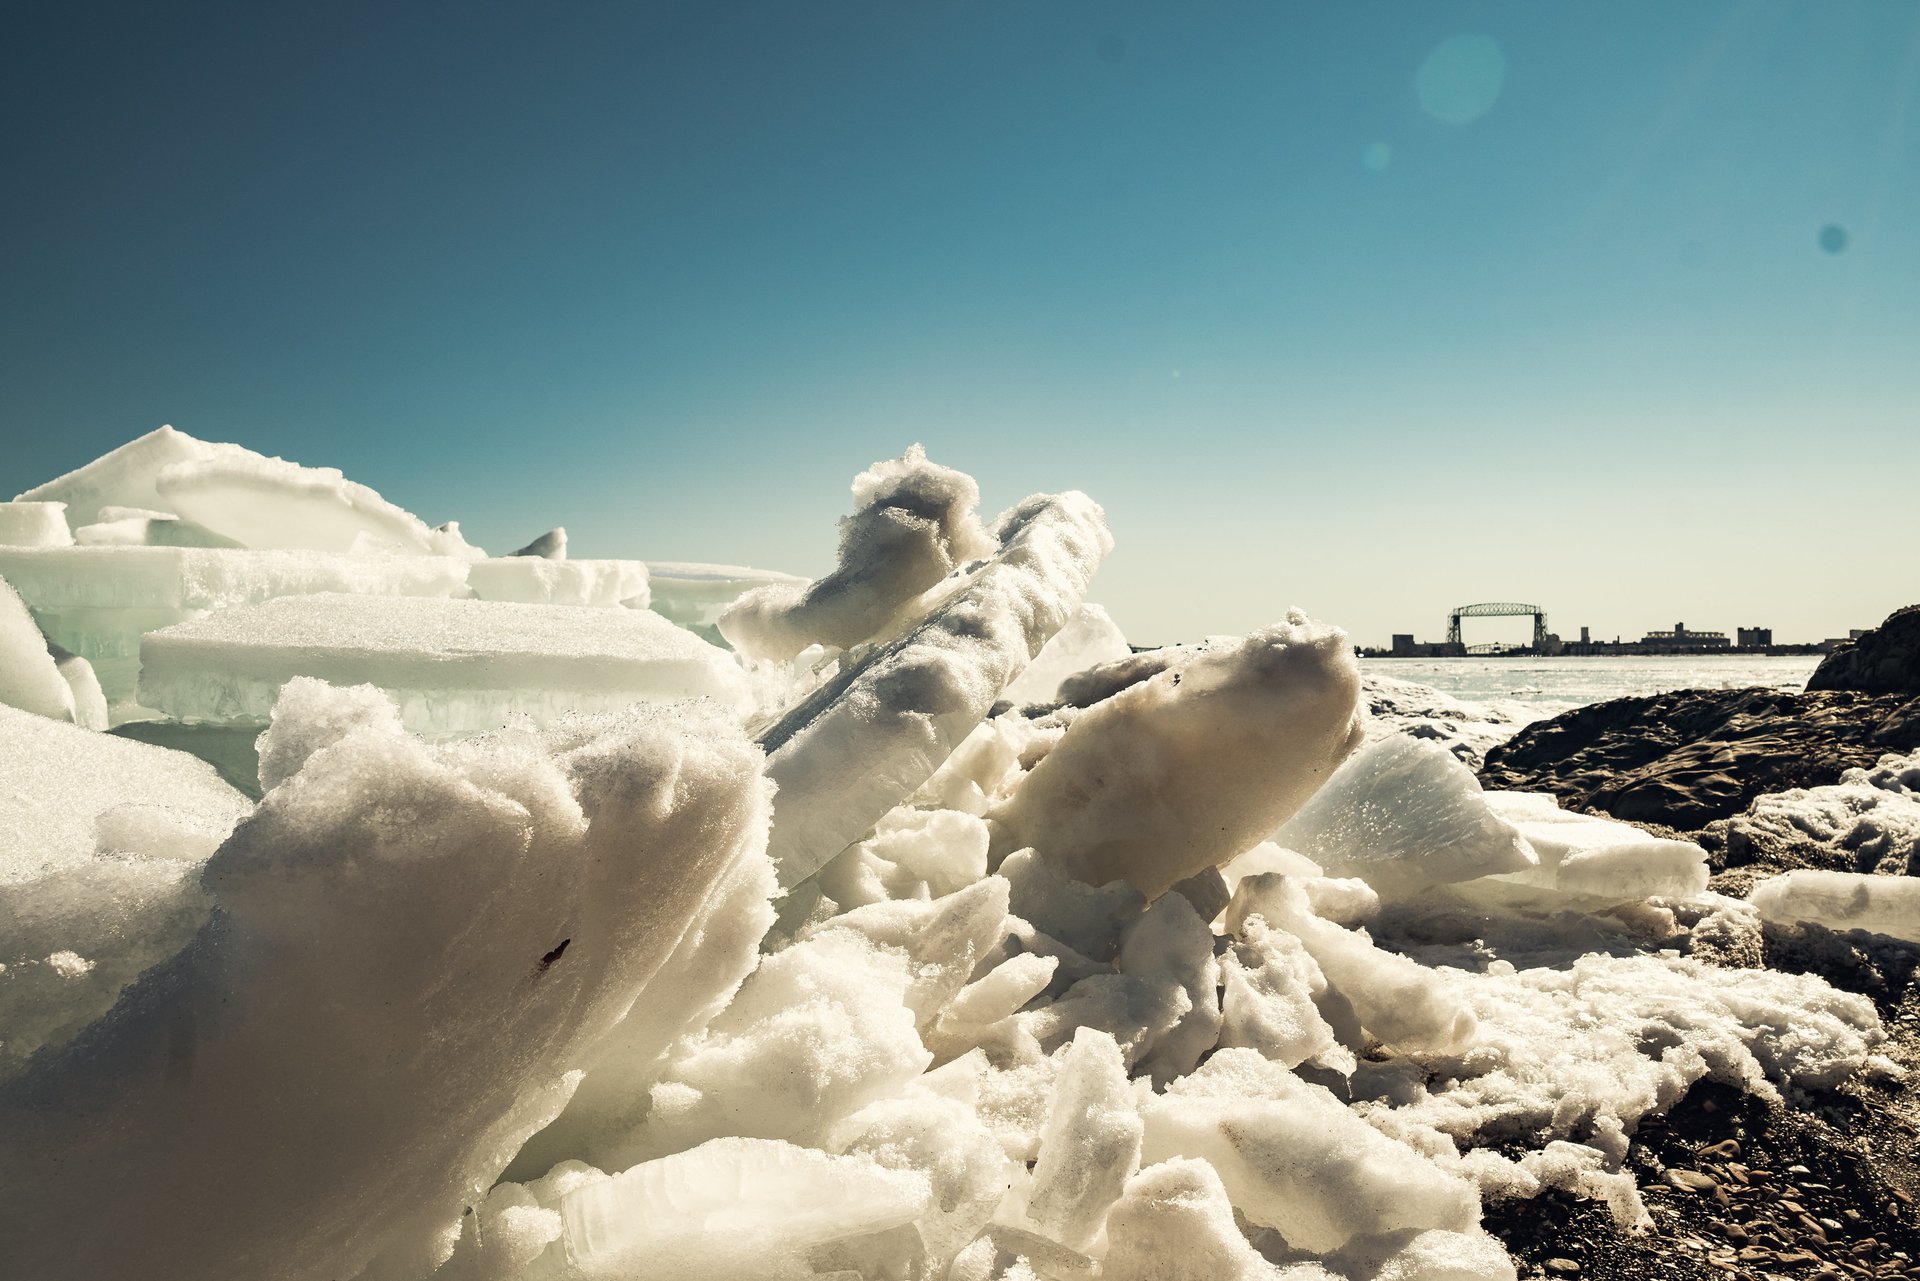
x: 1811, y: 1185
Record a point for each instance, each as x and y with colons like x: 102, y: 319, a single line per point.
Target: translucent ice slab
x: 695, y: 595
x: 453, y: 666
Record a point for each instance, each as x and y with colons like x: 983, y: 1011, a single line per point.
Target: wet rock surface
x: 1884, y: 661
x: 1685, y: 759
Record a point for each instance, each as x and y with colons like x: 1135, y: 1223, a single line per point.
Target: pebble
x: 1692, y: 1181
x: 1562, y: 1267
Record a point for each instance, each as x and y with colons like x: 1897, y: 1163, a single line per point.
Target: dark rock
x: 1884, y: 661
x: 1687, y: 758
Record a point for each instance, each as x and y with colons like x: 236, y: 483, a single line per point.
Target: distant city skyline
x: 1373, y: 309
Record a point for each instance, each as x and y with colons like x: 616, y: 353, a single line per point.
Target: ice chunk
x: 452, y: 665
x: 942, y: 940
x: 867, y: 739
x: 1434, y: 1255
x: 1295, y: 1159
x: 913, y: 524
x: 470, y: 919
x: 124, y: 477
x: 1175, y: 1223
x: 734, y: 1209
x: 1843, y: 901
x: 1399, y: 1001
x: 1090, y: 1146
x: 72, y: 939
x: 1086, y: 919
x: 89, y: 700
x: 1171, y: 942
x: 1586, y: 856
x: 1271, y: 985
x: 60, y: 779
x: 270, y: 503
x: 1089, y: 639
x: 536, y: 581
x: 551, y: 545
x: 1184, y: 771
x: 816, y: 1033
x: 29, y: 678
x: 1404, y: 816
x: 943, y: 1140
x: 34, y: 525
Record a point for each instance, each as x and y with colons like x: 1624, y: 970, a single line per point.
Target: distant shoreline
x: 1626, y: 649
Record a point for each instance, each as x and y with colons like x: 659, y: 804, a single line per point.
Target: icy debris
x: 1404, y: 815
x: 29, y: 678
x: 34, y: 525
x: 1396, y: 1000
x: 1090, y: 1146
x: 535, y: 580
x: 1868, y: 821
x: 1087, y: 919
x: 470, y: 919
x: 1170, y: 942
x: 1185, y: 770
x: 1843, y: 901
x: 60, y: 779
x: 1586, y: 856
x: 451, y: 665
x: 1270, y: 1000
x: 1089, y: 639
x: 913, y: 524
x: 1295, y: 1159
x: 867, y: 739
x: 734, y: 1209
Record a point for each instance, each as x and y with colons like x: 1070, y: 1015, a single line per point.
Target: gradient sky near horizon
x: 1371, y: 308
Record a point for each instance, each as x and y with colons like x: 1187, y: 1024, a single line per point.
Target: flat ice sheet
x: 453, y: 666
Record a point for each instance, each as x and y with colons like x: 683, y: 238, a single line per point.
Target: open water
x: 1560, y: 683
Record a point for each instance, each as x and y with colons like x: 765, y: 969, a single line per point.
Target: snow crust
x: 957, y: 942
x: 34, y: 524
x: 1868, y: 821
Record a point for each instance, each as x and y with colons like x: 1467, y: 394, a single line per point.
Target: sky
x: 1371, y: 308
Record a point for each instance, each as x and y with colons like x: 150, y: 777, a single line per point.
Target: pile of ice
x: 1154, y: 966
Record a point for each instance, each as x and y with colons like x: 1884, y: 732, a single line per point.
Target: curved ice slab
x: 873, y: 734
x: 1185, y: 770
x: 412, y: 949
x: 270, y: 503
x: 60, y: 779
x: 1843, y: 901
x: 1089, y: 639
x: 538, y: 580
x: 453, y: 666
x: 1405, y: 815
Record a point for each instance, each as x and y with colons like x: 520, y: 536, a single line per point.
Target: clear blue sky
x: 1374, y: 308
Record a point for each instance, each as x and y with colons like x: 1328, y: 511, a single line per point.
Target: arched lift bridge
x: 1498, y: 609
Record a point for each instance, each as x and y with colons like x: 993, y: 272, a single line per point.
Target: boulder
x: 1686, y: 758
x: 1884, y: 661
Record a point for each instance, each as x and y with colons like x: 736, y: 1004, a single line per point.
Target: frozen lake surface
x: 1555, y: 684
